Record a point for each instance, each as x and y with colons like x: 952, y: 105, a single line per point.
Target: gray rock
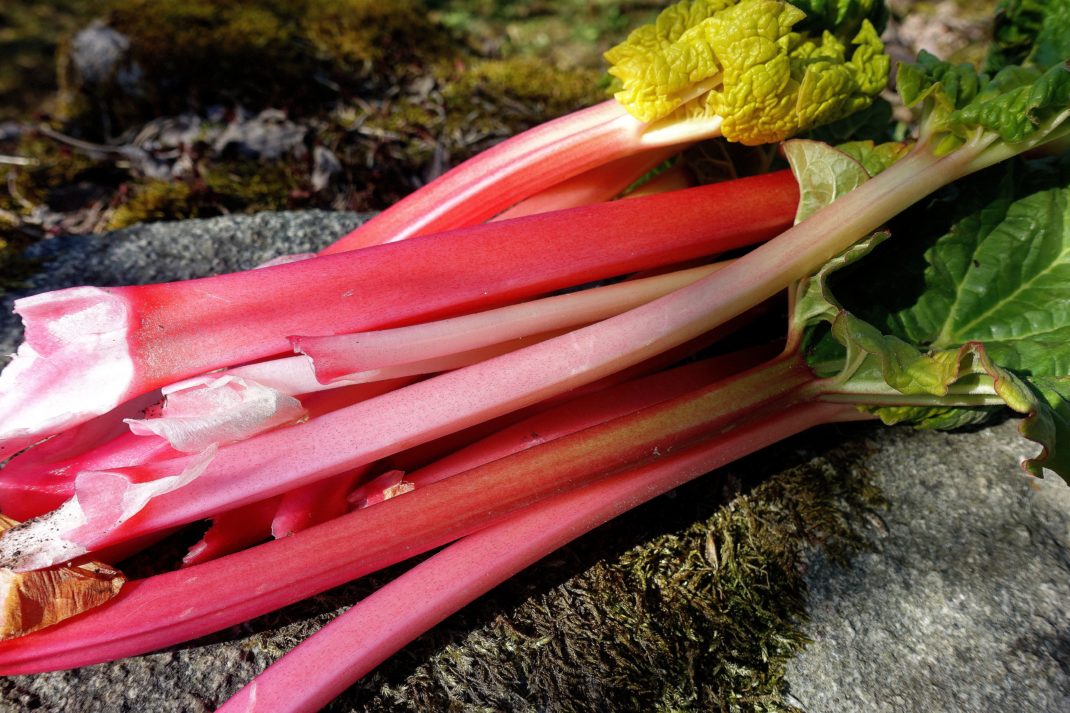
x: 963, y: 606
x: 97, y: 51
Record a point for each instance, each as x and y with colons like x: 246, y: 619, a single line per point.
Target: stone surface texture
x: 963, y: 605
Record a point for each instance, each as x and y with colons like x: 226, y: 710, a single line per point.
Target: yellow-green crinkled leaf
x: 744, y: 63
x: 660, y: 63
x: 777, y: 83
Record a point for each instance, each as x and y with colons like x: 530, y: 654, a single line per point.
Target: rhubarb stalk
x: 360, y: 639
x: 89, y: 349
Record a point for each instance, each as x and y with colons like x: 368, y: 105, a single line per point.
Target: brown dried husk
x: 34, y: 600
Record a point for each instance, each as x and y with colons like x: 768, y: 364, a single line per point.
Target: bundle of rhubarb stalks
x: 515, y: 353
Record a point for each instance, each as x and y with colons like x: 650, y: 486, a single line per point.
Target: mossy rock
x: 373, y: 33
x: 185, y: 55
x: 152, y: 201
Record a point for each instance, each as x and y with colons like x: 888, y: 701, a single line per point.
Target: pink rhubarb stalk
x: 314, y: 503
x: 31, y: 487
x: 344, y: 355
x: 600, y: 184
x: 505, y: 174
x: 233, y: 531
x: 177, y: 606
x: 333, y: 367
x: 569, y: 417
x: 90, y: 349
x: 363, y: 637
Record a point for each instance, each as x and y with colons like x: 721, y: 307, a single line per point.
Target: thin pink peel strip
x: 223, y: 410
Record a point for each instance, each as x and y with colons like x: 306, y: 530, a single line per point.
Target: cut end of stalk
x: 75, y: 364
x: 102, y: 502
x: 40, y: 543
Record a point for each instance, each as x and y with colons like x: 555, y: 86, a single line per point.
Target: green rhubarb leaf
x: 823, y: 173
x: 1049, y: 425
x: 1001, y: 276
x: 989, y: 323
x: 874, y: 157
x: 814, y: 302
x: 935, y: 418
x: 842, y: 17
x: 1020, y: 105
x: 1035, y: 32
x: 745, y: 65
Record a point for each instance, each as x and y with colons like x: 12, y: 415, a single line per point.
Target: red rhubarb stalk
x: 177, y: 606
x: 600, y: 184
x: 89, y: 349
x: 354, y: 643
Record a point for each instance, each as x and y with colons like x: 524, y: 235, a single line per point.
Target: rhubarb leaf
x: 659, y: 64
x: 874, y: 157
x: 745, y: 65
x: 989, y: 323
x: 842, y: 17
x: 1030, y: 32
x: 777, y: 83
x: 1001, y: 276
x: 823, y: 172
x: 1020, y: 105
x: 1050, y: 426
x: 936, y: 418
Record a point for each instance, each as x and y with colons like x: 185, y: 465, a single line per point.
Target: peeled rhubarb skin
x: 89, y: 349
x: 77, y: 338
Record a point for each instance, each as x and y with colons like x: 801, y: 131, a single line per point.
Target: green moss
x: 56, y: 165
x: 189, y: 54
x: 699, y: 610
x: 372, y: 32
x: 250, y: 186
x: 14, y: 267
x: 61, y: 178
x: 564, y: 33
x: 540, y: 88
x: 30, y: 32
x: 153, y: 201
